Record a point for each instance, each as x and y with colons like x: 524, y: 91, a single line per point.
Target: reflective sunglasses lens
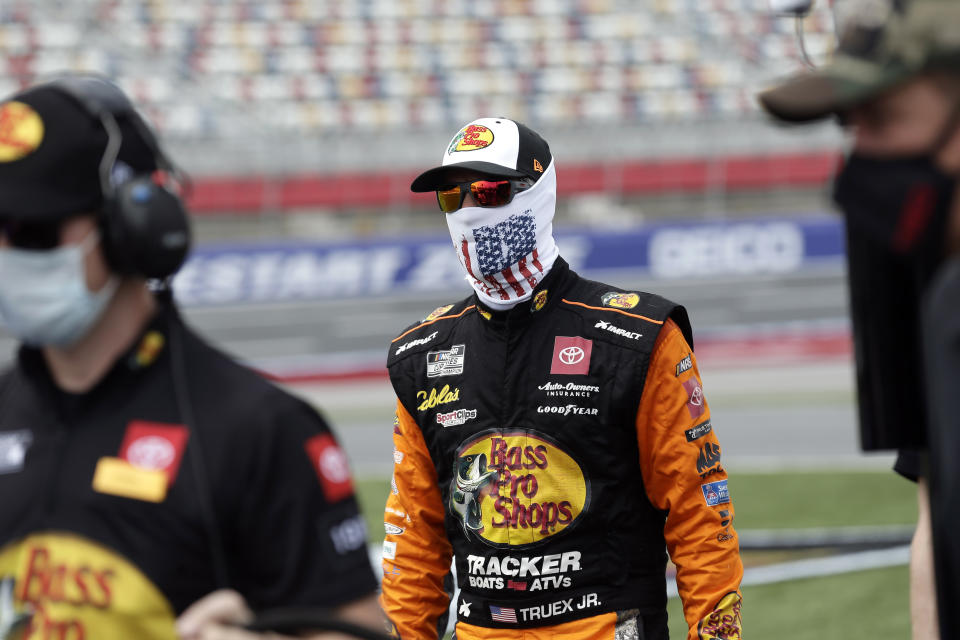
x: 449, y: 199
x: 489, y: 193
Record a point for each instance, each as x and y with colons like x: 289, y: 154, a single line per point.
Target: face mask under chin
x: 44, y: 299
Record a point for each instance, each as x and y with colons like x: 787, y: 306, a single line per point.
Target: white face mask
x: 506, y: 251
x: 44, y: 298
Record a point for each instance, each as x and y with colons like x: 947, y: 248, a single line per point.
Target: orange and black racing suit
x: 558, y: 450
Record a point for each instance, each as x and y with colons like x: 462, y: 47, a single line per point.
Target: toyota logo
x: 696, y: 397
x: 571, y: 355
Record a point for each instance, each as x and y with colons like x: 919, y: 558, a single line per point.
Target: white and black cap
x: 495, y: 147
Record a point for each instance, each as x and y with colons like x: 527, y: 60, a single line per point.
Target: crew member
x: 895, y: 84
x: 140, y: 468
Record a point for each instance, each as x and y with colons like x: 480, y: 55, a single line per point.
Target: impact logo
x: 516, y: 488
x: 606, y: 326
x: 415, y: 343
x: 471, y: 138
x: 21, y: 131
x: 504, y: 244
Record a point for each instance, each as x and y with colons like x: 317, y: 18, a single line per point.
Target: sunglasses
x: 485, y: 193
x: 31, y: 235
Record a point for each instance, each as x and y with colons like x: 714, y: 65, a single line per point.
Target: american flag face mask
x: 506, y: 251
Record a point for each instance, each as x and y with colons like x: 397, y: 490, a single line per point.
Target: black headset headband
x: 144, y: 224
x: 105, y: 102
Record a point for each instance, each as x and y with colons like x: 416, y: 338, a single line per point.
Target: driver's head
x: 497, y: 186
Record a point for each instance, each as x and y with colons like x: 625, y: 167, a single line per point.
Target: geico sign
x: 742, y: 248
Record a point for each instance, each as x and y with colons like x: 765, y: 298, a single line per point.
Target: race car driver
x: 140, y: 468
x: 551, y: 433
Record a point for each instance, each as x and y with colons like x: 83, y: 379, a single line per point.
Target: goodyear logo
x: 516, y: 488
x: 21, y: 130
x: 620, y: 300
x: 471, y: 138
x: 72, y: 588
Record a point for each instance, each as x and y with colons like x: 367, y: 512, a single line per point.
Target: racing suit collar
x: 545, y: 295
x: 145, y: 351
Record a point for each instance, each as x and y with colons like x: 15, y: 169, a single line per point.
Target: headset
x: 144, y: 226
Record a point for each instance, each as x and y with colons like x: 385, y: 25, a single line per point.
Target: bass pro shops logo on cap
x: 471, y: 138
x: 21, y: 131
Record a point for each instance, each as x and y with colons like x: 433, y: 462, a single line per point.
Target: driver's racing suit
x: 558, y: 450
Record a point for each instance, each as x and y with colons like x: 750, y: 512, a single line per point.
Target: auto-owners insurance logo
x: 516, y: 488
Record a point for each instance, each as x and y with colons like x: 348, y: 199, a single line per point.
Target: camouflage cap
x: 883, y: 43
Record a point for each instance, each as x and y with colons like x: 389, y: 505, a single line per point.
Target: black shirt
x: 117, y: 503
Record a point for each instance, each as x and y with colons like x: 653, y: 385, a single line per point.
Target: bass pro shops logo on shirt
x: 516, y: 488
x: 72, y: 588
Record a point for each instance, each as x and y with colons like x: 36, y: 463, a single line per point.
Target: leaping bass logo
x: 516, y: 488
x: 471, y: 138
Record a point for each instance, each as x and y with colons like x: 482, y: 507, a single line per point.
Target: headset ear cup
x: 112, y: 236
x: 148, y: 229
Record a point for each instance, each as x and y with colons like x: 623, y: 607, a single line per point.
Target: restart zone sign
x: 271, y: 272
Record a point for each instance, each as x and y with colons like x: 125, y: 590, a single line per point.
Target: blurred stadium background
x: 302, y: 123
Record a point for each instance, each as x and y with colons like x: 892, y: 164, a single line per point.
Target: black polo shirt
x: 117, y: 503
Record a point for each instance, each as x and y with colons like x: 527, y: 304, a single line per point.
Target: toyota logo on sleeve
x: 571, y: 356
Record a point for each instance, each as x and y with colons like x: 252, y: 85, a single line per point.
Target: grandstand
x: 276, y: 87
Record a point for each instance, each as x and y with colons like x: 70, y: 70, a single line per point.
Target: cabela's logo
x: 434, y: 397
x: 516, y: 488
x: 620, y: 300
x: 71, y: 588
x: 471, y: 138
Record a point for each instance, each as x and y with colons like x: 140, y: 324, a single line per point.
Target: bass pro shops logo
x: 471, y: 138
x: 516, y: 488
x: 65, y: 587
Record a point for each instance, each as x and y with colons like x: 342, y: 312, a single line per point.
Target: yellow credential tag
x: 120, y: 478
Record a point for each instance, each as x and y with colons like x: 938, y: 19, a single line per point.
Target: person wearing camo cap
x: 894, y: 84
